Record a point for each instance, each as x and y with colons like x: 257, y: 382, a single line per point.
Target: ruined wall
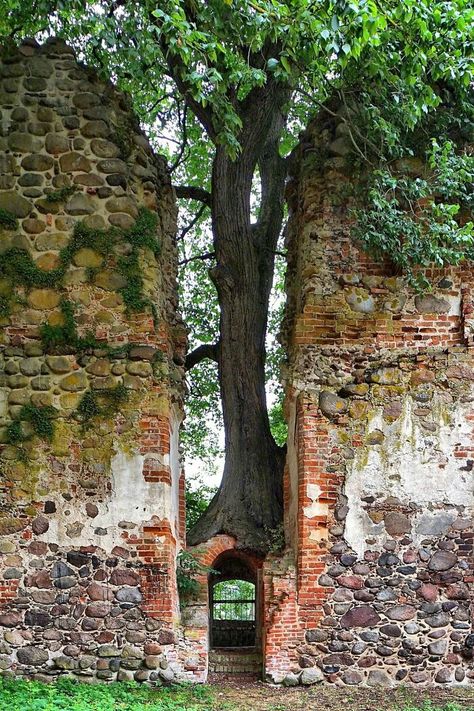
x: 379, y: 483
x: 91, y: 355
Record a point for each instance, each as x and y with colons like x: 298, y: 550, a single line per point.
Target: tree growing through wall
x: 228, y: 83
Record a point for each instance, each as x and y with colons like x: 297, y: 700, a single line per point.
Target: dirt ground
x: 244, y: 695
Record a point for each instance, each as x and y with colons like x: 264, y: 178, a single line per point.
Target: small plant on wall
x: 188, y: 569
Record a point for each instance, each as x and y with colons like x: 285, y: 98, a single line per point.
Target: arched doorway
x: 234, y: 615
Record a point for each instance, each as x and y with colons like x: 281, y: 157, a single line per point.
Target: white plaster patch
x: 320, y: 534
x: 412, y: 465
x: 131, y: 499
x: 316, y: 508
x: 455, y: 304
x: 292, y: 463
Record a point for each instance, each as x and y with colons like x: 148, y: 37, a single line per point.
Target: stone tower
x: 91, y: 355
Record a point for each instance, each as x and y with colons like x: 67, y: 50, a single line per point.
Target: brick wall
x: 379, y: 487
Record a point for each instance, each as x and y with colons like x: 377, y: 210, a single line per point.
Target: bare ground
x: 231, y: 694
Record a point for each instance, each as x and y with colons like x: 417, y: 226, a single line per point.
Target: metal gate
x: 233, y: 622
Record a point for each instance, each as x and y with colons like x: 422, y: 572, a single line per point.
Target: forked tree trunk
x: 248, y: 504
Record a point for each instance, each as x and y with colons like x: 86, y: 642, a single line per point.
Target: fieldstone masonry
x: 379, y: 486
x: 91, y: 356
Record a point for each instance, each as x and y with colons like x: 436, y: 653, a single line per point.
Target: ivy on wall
x: 19, y: 268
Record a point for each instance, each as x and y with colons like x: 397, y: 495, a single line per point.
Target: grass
x: 67, y: 694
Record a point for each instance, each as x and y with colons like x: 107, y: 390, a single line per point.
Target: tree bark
x: 248, y: 504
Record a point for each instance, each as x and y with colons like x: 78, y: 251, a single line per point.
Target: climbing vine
x: 18, y: 266
x: 62, y: 194
x: 188, y: 568
x: 8, y: 221
x: 424, y: 220
x: 101, y: 403
x: 41, y: 420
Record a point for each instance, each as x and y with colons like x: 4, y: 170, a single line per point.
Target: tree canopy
x: 224, y: 87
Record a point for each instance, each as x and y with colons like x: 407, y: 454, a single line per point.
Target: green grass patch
x: 8, y: 220
x: 69, y: 695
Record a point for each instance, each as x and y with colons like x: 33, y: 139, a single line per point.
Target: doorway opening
x: 234, y: 615
x: 233, y: 622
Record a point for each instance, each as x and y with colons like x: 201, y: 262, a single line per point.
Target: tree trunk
x: 248, y: 504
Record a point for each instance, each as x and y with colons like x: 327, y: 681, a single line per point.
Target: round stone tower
x: 91, y: 355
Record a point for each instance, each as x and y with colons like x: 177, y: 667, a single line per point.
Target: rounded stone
x: 40, y: 525
x: 112, y: 165
x: 95, y: 129
x: 104, y: 149
x: 12, y: 202
x: 87, y: 257
x: 401, y: 613
x: 74, y: 162
x: 129, y: 594
x: 44, y: 299
x: 311, y: 676
x: 51, y: 240
x: 85, y: 100
x: 331, y: 404
x: 37, y: 162
x: 362, y: 616
x: 21, y: 142
x: 56, y: 144
x: 396, y: 523
x: 80, y: 204
x: 444, y: 676
x: 290, y: 679
x: 442, y: 560
x: 360, y: 300
x: 428, y: 304
x: 123, y: 204
x: 74, y: 382
x: 109, y: 280
x: 33, y: 225
x: 32, y: 656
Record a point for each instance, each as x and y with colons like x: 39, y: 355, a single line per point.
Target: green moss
x: 65, y: 336
x: 54, y: 336
x: 41, y: 420
x: 14, y: 432
x: 62, y: 194
x: 101, y: 403
x: 4, y: 307
x: 17, y: 265
x: 8, y: 220
x: 122, y: 137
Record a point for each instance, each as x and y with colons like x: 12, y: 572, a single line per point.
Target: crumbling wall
x: 380, y: 470
x: 91, y: 356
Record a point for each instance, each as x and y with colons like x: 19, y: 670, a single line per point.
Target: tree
x: 232, y: 81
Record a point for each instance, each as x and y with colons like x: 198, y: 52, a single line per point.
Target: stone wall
x: 379, y: 486
x: 91, y: 356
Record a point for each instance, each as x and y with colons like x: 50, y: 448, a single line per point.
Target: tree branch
x: 193, y: 192
x: 184, y: 141
x: 207, y: 350
x: 206, y: 255
x: 177, y: 70
x: 193, y: 222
